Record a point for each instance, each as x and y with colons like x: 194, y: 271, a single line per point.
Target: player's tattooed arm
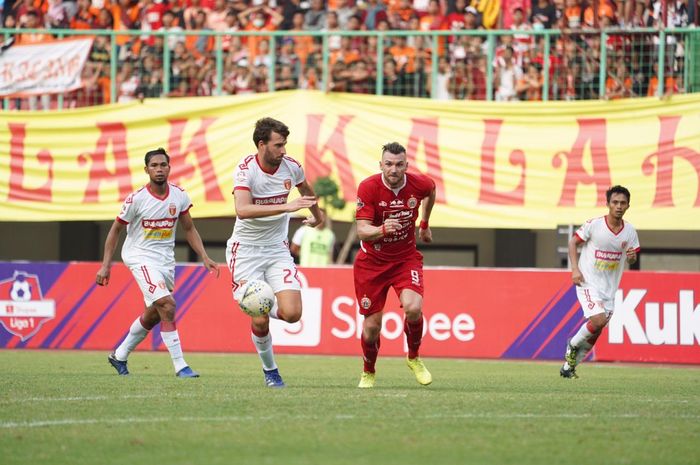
x: 366, y: 231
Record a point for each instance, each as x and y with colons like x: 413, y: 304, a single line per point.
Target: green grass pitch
x: 60, y: 407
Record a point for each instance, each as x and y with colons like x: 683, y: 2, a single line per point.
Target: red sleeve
x: 578, y: 238
x: 122, y: 221
x: 365, y: 202
x: 185, y: 210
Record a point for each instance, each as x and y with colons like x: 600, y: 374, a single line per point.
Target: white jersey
x: 151, y: 223
x: 265, y: 189
x: 603, y: 255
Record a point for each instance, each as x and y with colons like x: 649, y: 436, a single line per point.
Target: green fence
x: 480, y: 65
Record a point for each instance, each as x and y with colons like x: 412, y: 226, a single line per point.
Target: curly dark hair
x: 265, y: 127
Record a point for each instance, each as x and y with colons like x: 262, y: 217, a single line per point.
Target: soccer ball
x: 258, y: 298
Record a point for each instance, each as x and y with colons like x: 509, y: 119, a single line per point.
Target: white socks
x: 171, y: 339
x: 137, y: 333
x: 264, y: 347
x: 582, y: 335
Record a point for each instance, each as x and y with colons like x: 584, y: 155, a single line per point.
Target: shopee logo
x: 438, y: 326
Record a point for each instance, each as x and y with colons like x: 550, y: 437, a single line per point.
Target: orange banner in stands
x: 496, y: 165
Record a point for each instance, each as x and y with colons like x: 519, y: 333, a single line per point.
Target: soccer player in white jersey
x: 258, y: 248
x: 150, y: 216
x: 607, y: 242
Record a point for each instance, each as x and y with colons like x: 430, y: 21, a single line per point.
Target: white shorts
x: 154, y: 281
x: 269, y: 263
x: 592, y: 303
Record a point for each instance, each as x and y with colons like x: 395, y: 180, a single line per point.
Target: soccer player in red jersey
x: 388, y: 204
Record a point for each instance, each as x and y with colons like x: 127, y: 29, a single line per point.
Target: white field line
x: 339, y: 417
x: 21, y: 400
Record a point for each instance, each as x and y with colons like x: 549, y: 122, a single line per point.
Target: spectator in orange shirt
x: 256, y: 19
x: 619, y: 83
x: 403, y: 55
x: 125, y: 17
x: 604, y: 9
x: 573, y: 14
x: 346, y: 54
x: 529, y: 87
x: 86, y: 15
x: 31, y: 21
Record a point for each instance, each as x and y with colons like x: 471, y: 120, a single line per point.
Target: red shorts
x: 373, y: 278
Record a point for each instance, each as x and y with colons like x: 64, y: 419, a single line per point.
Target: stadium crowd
x: 517, y: 67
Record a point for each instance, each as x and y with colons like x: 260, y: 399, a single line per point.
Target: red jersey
x: 377, y: 202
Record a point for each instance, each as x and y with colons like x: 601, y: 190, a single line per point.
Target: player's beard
x: 271, y: 160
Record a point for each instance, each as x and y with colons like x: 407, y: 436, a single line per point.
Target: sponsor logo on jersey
x: 23, y: 310
x: 158, y: 229
x: 412, y: 202
x: 172, y: 209
x: 401, y: 215
x: 162, y: 223
x: 382, y: 204
x: 396, y: 203
x: 274, y: 200
x: 157, y: 234
x: 607, y: 255
x: 288, y: 184
x: 241, y: 176
x: 360, y: 203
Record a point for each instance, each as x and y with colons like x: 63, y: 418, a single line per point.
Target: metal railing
x: 540, y: 65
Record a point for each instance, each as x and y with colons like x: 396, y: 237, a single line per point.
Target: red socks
x: 414, y: 335
x: 370, y: 352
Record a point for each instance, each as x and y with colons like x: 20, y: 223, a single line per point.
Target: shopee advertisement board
x: 480, y: 313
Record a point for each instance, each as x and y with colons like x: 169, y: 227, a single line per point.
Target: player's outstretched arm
x: 246, y: 209
x: 115, y: 231
x: 195, y: 241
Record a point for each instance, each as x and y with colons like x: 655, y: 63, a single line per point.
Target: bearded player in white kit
x: 258, y: 248
x: 150, y: 216
x: 607, y: 242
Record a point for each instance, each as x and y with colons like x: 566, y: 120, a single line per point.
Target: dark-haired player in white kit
x: 607, y: 242
x: 258, y: 247
x: 150, y: 216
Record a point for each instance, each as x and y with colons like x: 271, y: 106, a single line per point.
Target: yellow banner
x: 496, y: 165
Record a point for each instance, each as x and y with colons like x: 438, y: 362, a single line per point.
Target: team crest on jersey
x: 412, y: 202
x: 624, y: 245
x: 172, y: 209
x: 365, y: 302
x: 23, y: 308
x: 288, y: 184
